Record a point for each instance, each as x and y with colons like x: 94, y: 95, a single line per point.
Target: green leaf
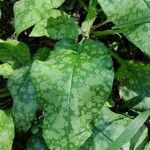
x: 14, y: 52
x: 6, y: 70
x: 60, y: 27
x: 134, y: 85
x: 30, y: 12
x: 6, y: 130
x: 128, y: 12
x: 24, y: 96
x: 42, y: 54
x: 91, y: 16
x: 36, y: 142
x: 109, y: 129
x: 73, y: 85
x: 130, y: 131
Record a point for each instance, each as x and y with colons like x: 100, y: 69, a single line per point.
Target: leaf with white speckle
x: 24, y: 98
x: 72, y: 85
x: 124, y: 13
x: 30, y: 12
x: 61, y: 27
x: 110, y: 126
x: 134, y: 85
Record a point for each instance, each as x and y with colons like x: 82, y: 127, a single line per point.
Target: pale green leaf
x: 110, y: 126
x: 130, y: 131
x: 134, y: 85
x: 60, y: 27
x: 24, y: 98
x: 6, y: 70
x: 124, y: 12
x: 73, y: 85
x: 30, y: 12
x: 6, y: 130
x: 14, y: 52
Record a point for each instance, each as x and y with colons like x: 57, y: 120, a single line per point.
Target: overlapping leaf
x: 24, y: 98
x: 135, y: 84
x: 111, y: 125
x: 61, y: 27
x: 133, y: 16
x: 74, y: 84
x: 36, y: 142
x: 14, y: 52
x: 6, y: 130
x: 30, y: 12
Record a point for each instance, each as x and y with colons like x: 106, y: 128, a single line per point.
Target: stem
x: 106, y: 32
x: 116, y: 56
x: 99, y: 25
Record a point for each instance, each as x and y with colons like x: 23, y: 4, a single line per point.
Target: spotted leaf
x: 23, y: 93
x: 60, y: 27
x: 135, y: 83
x: 6, y: 130
x: 14, y: 52
x: 30, y: 12
x: 133, y: 16
x: 110, y: 126
x: 73, y: 84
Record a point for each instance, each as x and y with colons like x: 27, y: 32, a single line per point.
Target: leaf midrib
x: 69, y: 95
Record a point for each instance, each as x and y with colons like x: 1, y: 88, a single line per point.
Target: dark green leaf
x: 24, y: 96
x: 134, y: 85
x: 14, y: 52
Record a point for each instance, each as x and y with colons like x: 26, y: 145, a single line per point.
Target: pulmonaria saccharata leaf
x: 61, y: 27
x: 110, y: 126
x: 14, y: 52
x: 73, y: 85
x: 124, y: 13
x: 6, y: 130
x: 30, y: 12
x: 24, y: 98
x: 134, y: 85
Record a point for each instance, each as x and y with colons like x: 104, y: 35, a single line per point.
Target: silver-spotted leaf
x: 6, y: 130
x: 61, y: 27
x: 108, y: 129
x: 30, y: 12
x: 6, y: 70
x: 124, y: 13
x: 14, y: 52
x: 134, y: 85
x: 24, y: 98
x: 73, y: 84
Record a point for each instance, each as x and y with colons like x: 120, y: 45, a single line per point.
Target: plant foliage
x: 63, y: 93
